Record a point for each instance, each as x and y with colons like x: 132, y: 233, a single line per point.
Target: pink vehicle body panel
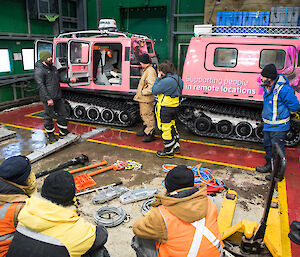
x: 241, y: 82
x: 125, y: 42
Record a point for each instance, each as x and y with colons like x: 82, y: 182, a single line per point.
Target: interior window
x: 61, y: 55
x: 28, y: 59
x: 79, y: 52
x: 275, y: 56
x: 5, y: 61
x: 107, y: 64
x: 225, y: 57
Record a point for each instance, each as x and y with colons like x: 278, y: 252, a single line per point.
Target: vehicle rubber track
x: 101, y: 109
x: 227, y: 121
x: 192, y: 111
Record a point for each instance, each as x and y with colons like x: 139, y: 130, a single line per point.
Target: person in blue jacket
x: 279, y: 101
x: 168, y: 87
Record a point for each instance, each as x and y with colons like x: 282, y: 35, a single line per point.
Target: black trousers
x: 59, y: 111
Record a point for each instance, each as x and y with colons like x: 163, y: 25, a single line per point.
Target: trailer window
x: 5, y: 61
x: 225, y: 57
x: 268, y: 56
x: 79, y: 52
x: 149, y: 47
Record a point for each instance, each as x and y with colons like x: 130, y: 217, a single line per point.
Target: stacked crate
x: 284, y: 16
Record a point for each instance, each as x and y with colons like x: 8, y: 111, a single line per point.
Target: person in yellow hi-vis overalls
x: 168, y: 86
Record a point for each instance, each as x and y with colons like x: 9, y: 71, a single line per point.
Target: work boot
x: 268, y: 177
x: 63, y: 135
x: 164, y: 154
x: 149, y: 138
x: 51, y: 138
x: 177, y: 150
x: 294, y: 233
x: 265, y: 169
x: 140, y: 133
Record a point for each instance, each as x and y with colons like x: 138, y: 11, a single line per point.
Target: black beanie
x: 178, y: 178
x: 15, y: 169
x: 269, y: 71
x: 144, y: 58
x: 59, y: 187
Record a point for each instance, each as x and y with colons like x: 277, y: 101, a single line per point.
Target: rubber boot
x: 51, y: 138
x: 265, y: 169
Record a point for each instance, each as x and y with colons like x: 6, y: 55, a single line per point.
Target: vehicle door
x: 40, y: 45
x: 79, y: 61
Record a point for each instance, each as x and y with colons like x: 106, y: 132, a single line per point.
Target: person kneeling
x: 182, y: 223
x: 49, y: 225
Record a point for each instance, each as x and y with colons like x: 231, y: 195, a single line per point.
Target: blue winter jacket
x: 278, y: 103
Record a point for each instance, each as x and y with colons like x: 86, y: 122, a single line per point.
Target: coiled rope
x: 119, y: 216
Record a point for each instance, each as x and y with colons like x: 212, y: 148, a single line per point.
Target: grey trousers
x: 144, y: 247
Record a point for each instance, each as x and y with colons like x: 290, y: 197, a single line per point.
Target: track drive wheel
x: 79, y: 112
x: 293, y: 135
x: 107, y: 115
x: 185, y: 113
x: 224, y: 127
x: 243, y: 129
x: 202, y: 125
x: 259, y: 133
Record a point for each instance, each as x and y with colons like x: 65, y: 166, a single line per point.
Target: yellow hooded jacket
x: 62, y: 223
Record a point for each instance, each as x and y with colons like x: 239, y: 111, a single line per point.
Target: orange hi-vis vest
x: 7, y: 226
x: 198, y: 239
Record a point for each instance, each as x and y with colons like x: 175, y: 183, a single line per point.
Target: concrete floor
x: 250, y: 186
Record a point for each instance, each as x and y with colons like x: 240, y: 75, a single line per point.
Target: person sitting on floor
x: 182, y: 223
x: 17, y: 183
x: 49, y: 225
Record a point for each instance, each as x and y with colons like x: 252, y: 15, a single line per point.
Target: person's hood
x: 11, y: 192
x: 281, y: 79
x: 188, y: 208
x: 40, y: 214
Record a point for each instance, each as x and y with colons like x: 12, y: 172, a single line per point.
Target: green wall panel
x: 149, y: 21
x: 13, y: 16
x: 92, y: 21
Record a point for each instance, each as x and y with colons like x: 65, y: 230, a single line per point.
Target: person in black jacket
x: 47, y: 78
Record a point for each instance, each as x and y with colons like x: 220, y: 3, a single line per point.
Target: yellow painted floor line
x: 284, y: 219
x: 176, y: 155
x: 133, y: 132
x: 201, y: 143
x: 31, y: 115
x: 17, y: 126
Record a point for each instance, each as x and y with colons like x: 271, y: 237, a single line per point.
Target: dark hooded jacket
x: 48, y: 80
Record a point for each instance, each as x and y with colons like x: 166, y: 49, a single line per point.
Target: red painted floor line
x: 212, y: 153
